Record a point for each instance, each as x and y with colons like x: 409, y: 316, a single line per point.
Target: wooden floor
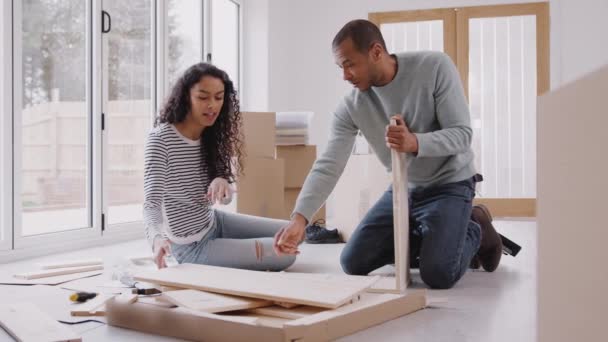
x: 499, y: 306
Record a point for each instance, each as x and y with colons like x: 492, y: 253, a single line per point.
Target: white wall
x: 581, y: 27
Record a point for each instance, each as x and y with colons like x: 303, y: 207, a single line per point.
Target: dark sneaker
x: 490, y: 248
x: 316, y: 233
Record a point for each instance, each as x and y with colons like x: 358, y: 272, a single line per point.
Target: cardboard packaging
x: 260, y: 189
x: 259, y: 134
x: 298, y: 163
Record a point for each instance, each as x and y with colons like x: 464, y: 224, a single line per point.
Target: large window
x: 53, y: 118
x: 80, y: 84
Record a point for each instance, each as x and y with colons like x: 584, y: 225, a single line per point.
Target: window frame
x: 6, y: 124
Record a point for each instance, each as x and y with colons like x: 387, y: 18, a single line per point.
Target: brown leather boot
x: 490, y: 248
x: 475, y: 263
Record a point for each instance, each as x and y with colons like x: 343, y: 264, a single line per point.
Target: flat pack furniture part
x: 212, y: 302
x: 55, y: 280
x: 400, y: 224
x: 73, y: 263
x: 278, y: 287
x: 372, y: 309
x: 57, y: 272
x: 26, y: 322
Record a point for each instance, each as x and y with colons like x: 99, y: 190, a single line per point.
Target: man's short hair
x: 364, y: 34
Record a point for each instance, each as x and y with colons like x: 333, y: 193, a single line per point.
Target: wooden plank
x: 56, y: 280
x: 188, y: 324
x: 26, y: 322
x: 57, y: 272
x: 327, y: 325
x: 281, y: 312
x: 278, y: 287
x: 371, y: 310
x: 401, y: 221
x: 93, y: 307
x: 212, y: 302
x: 72, y: 263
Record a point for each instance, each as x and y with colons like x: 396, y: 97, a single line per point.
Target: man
x: 423, y: 92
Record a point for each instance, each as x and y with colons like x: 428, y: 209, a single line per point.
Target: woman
x: 188, y: 169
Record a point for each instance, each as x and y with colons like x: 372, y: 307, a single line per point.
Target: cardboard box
x: 260, y: 189
x: 291, y: 195
x: 298, y: 162
x: 259, y: 134
x: 326, y: 325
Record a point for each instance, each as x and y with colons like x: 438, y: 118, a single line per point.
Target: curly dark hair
x: 222, y: 143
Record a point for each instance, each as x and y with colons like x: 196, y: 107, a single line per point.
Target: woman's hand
x: 220, y: 191
x: 162, y: 248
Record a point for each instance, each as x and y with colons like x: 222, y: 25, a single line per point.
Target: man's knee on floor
x: 351, y: 265
x: 438, y: 277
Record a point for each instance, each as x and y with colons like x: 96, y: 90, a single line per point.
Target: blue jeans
x: 236, y: 241
x: 443, y: 238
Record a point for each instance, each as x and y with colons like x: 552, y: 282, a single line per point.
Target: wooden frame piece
x: 401, y: 225
x: 57, y: 272
x: 326, y: 325
x: 56, y: 280
x: 74, y: 263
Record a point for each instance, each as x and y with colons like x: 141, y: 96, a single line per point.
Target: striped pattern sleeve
x: 155, y: 178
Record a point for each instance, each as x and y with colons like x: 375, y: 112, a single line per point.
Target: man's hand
x: 162, y: 248
x: 287, y: 239
x: 220, y: 191
x: 400, y: 138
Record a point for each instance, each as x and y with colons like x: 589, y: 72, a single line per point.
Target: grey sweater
x: 428, y: 93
